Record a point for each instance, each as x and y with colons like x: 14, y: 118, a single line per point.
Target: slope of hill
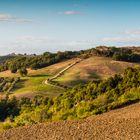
x: 34, y: 83
x: 89, y: 69
x: 120, y: 124
x: 93, y: 68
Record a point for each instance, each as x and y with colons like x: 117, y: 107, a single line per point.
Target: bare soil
x: 120, y: 124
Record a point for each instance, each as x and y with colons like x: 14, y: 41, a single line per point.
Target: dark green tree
x: 23, y: 71
x: 13, y: 69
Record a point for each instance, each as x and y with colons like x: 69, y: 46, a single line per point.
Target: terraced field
x: 120, y: 124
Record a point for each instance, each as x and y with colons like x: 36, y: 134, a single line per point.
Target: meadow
x: 90, y: 69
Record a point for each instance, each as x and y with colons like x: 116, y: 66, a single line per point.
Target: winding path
x: 62, y: 71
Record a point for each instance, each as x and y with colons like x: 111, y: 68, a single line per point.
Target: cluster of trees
x: 35, y: 61
x: 8, y: 108
x: 119, y: 54
x: 128, y: 57
x: 79, y: 102
x: 8, y: 84
x: 5, y: 58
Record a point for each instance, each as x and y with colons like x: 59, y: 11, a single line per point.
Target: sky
x: 36, y: 26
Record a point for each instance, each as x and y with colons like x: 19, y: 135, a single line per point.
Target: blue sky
x: 36, y: 26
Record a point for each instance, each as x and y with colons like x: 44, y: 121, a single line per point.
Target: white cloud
x: 45, y: 40
x: 122, y: 39
x: 132, y: 32
x: 39, y: 44
x: 127, y: 36
x: 10, y: 18
x: 70, y: 13
x: 32, y: 39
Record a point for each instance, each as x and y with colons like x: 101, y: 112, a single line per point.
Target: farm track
x: 120, y: 124
x: 62, y: 72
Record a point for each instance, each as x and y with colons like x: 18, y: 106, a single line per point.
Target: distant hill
x: 12, y: 56
x: 13, y: 61
x: 3, y: 59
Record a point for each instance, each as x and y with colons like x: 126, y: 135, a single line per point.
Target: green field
x: 30, y: 86
x: 34, y: 83
x: 87, y: 70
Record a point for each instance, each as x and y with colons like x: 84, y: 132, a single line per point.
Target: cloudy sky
x: 35, y: 26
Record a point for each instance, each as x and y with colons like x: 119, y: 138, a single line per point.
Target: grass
x: 34, y: 83
x: 89, y: 69
x: 93, y: 68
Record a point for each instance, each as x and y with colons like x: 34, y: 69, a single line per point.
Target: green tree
x: 23, y: 71
x: 13, y: 69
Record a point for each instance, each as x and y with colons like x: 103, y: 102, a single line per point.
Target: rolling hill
x: 90, y: 69
x: 93, y: 68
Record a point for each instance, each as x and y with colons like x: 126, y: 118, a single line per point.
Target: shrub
x: 23, y: 71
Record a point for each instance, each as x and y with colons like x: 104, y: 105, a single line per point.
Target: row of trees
x: 8, y: 84
x: 119, y: 54
x: 35, y: 61
x: 79, y: 102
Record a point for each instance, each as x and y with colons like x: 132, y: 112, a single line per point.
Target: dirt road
x: 62, y: 71
x: 121, y: 124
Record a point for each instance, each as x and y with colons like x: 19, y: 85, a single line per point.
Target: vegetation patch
x: 8, y: 84
x: 79, y: 102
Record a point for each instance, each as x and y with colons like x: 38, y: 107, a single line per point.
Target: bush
x: 23, y: 72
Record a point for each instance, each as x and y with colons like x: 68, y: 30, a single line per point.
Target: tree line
x: 20, y: 62
x: 8, y: 84
x: 118, y: 54
x: 36, y: 61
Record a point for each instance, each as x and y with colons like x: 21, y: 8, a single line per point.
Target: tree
x: 13, y: 69
x: 8, y: 108
x: 23, y: 71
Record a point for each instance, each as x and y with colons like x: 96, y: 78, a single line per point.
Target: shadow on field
x: 20, y: 84
x: 125, y: 104
x: 39, y: 75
